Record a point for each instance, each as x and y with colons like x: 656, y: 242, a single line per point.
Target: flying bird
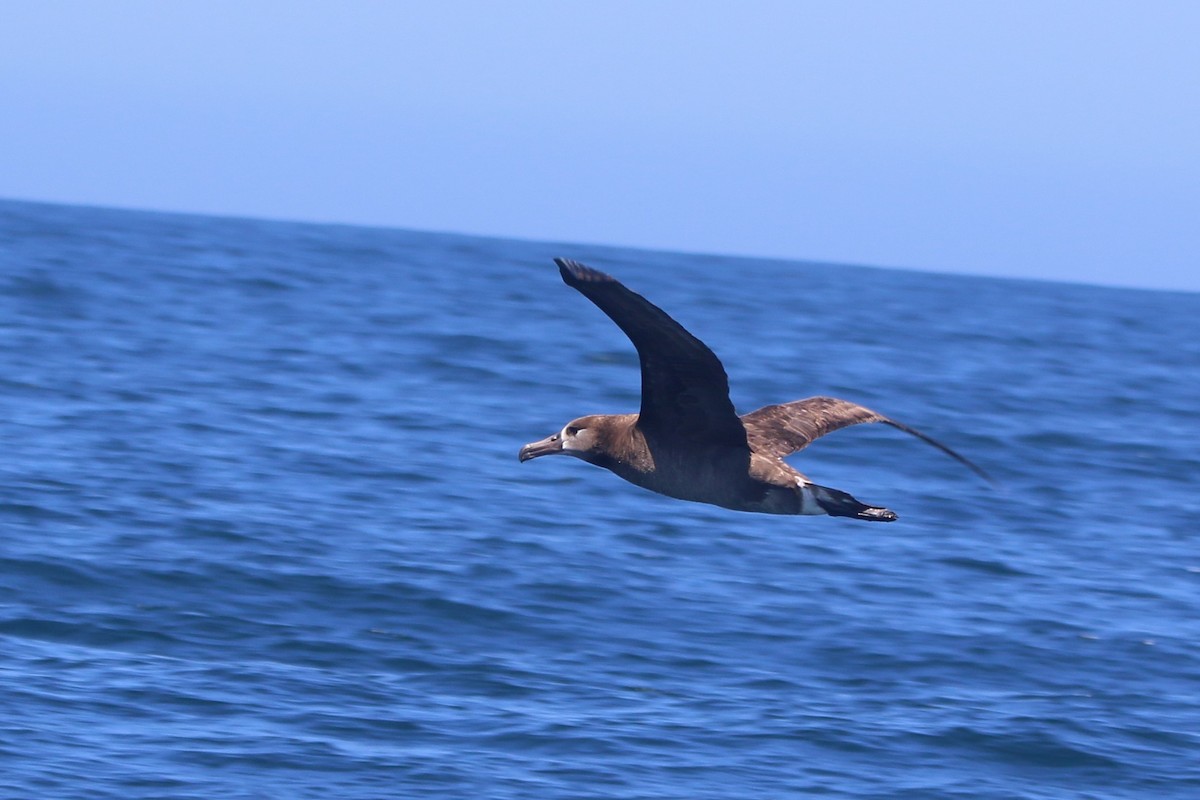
x: 687, y: 442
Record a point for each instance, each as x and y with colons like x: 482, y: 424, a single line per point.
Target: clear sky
x: 1057, y: 138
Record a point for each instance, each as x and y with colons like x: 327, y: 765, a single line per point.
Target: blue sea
x: 264, y: 534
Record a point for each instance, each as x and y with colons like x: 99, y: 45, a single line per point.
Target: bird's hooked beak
x: 549, y: 446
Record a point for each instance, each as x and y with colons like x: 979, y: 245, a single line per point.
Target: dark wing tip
x: 966, y: 462
x: 574, y: 273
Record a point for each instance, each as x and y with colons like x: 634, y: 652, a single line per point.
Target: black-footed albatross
x: 687, y: 441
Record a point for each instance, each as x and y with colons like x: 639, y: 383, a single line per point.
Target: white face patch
x: 568, y: 441
x: 574, y: 438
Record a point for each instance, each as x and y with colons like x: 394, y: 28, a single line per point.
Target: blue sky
x: 1052, y: 139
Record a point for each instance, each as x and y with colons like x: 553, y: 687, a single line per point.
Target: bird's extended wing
x: 685, y: 392
x: 782, y: 429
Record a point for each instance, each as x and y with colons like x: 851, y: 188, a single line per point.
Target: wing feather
x: 685, y: 391
x: 785, y: 428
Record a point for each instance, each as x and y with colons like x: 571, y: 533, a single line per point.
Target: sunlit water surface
x: 265, y: 535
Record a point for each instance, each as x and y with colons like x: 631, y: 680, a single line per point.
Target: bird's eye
x: 571, y: 431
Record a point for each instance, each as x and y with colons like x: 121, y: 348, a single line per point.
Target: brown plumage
x: 686, y: 441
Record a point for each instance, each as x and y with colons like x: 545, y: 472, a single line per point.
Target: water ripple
x: 265, y: 533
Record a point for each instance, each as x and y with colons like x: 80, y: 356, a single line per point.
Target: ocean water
x: 264, y: 534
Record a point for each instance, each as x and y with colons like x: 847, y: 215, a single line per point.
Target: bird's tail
x: 837, y: 503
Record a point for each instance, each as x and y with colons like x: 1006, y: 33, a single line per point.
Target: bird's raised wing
x: 782, y: 429
x: 685, y: 392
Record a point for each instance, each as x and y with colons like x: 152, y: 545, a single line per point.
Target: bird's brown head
x: 579, y: 437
